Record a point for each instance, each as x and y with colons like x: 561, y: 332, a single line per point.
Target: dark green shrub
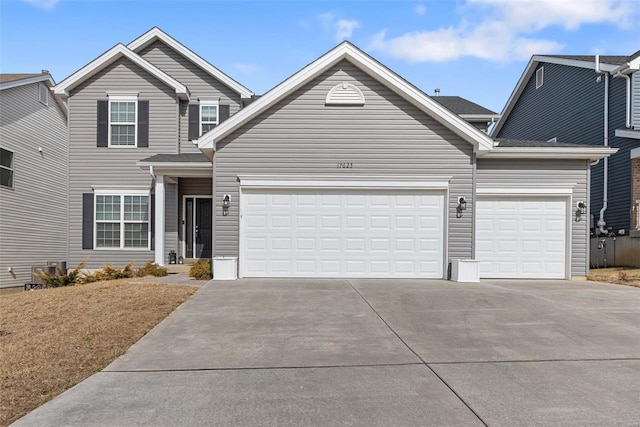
x: 61, y: 278
x: 153, y: 269
x: 201, y: 269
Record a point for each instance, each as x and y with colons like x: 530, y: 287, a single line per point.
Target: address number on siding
x: 342, y: 165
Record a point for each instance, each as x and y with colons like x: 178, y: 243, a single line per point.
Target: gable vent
x: 345, y: 94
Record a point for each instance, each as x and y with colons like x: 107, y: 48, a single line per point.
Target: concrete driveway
x: 373, y: 353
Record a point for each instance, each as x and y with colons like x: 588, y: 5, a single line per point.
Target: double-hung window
x: 6, y: 168
x: 122, y: 220
x: 208, y: 115
x: 123, y: 126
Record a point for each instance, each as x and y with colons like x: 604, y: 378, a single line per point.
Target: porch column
x: 159, y: 220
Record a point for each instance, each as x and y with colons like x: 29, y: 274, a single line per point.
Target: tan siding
x: 33, y: 215
x: 116, y: 167
x: 497, y: 173
x: 386, y: 136
x: 198, y: 81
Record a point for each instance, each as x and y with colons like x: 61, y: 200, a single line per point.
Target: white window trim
x: 540, y: 80
x: 12, y: 169
x: 46, y: 93
x: 209, y: 103
x: 124, y: 98
x: 121, y: 193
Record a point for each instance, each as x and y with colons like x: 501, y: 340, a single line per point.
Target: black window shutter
x: 87, y: 221
x: 152, y: 221
x: 194, y: 121
x: 224, y: 113
x: 103, y: 124
x: 143, y: 123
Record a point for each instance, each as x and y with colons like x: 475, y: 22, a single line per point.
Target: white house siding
x: 386, y: 136
x: 545, y: 174
x: 116, y: 167
x: 33, y: 215
x: 198, y: 81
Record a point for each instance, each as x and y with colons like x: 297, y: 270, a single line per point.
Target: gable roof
x: 156, y: 33
x: 609, y: 64
x: 466, y: 109
x: 109, y: 57
x: 14, y: 80
x: 347, y: 51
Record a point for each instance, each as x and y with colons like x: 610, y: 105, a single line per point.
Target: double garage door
x: 342, y: 233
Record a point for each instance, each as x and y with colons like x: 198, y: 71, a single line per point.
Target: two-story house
x: 344, y: 169
x: 33, y: 177
x: 593, y: 100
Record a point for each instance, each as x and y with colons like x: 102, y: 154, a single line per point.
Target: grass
x: 620, y: 275
x: 52, y: 339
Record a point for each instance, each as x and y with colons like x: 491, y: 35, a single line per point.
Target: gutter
x: 605, y: 200
x: 628, y: 99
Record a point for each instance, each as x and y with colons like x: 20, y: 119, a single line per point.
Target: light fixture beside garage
x: 226, y: 203
x: 462, y: 206
x: 581, y: 209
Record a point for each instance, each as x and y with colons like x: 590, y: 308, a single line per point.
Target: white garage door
x: 521, y: 237
x: 341, y: 233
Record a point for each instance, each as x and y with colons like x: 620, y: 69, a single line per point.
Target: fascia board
x: 380, y: 73
x: 27, y: 81
x: 591, y: 65
x: 558, y: 153
x: 157, y: 34
x: 628, y: 67
x: 108, y: 58
x: 176, y: 165
x: 479, y: 117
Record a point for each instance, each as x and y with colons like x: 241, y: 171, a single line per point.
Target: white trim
x: 628, y: 133
x: 635, y: 153
x: 344, y: 87
x: 540, y: 77
x: 628, y: 67
x: 121, y: 193
x: 591, y: 65
x: 346, y: 51
x: 480, y: 117
x: 157, y: 34
x: 338, y: 181
x: 526, y: 191
x: 208, y: 103
x: 542, y: 192
x: 158, y: 222
x: 107, y: 58
x: 560, y: 152
x: 27, y: 81
x: 183, y: 243
x: 176, y: 165
x: 124, y: 189
x: 133, y: 99
x: 46, y: 94
x: 11, y: 169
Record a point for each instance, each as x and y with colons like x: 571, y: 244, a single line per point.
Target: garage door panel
x: 521, y: 237
x: 371, y: 234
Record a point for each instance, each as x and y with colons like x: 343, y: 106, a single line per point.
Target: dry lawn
x: 52, y: 339
x: 619, y: 275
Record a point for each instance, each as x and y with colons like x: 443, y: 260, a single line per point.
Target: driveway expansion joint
x: 262, y: 368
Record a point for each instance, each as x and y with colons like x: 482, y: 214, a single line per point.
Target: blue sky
x: 472, y: 48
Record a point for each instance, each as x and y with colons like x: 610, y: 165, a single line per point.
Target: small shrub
x: 62, y: 278
x: 109, y: 272
x: 153, y: 269
x: 201, y: 269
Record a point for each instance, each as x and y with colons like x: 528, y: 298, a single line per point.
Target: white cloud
x: 420, y: 9
x: 247, y: 68
x: 503, y: 30
x: 43, y: 4
x: 345, y: 28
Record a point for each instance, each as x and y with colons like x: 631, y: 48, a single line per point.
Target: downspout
x: 601, y: 222
x: 627, y: 102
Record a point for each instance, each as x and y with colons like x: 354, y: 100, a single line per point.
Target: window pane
x: 123, y: 112
x: 136, y: 208
x: 107, y: 208
x: 6, y: 158
x: 136, y: 235
x: 123, y: 135
x: 209, y: 113
x: 107, y: 235
x: 207, y: 127
x: 6, y: 177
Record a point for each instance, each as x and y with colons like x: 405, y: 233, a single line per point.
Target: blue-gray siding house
x: 586, y: 100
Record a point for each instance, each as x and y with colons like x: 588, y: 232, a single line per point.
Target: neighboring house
x: 480, y: 117
x: 588, y: 100
x: 33, y: 177
x: 343, y: 170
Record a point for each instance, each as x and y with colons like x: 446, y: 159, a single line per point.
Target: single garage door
x: 341, y: 233
x: 521, y: 237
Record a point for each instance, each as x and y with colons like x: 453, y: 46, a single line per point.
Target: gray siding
x: 198, y: 81
x: 569, y: 106
x: 386, y: 136
x: 33, y: 215
x: 495, y: 173
x: 115, y: 167
x: 635, y: 100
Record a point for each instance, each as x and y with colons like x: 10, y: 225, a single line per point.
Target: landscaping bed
x: 51, y: 339
x: 620, y: 275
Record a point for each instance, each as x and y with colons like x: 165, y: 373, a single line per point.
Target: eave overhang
x: 557, y: 153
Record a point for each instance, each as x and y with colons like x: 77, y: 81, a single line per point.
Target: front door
x: 198, y: 232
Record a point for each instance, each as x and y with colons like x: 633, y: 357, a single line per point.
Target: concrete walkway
x: 375, y: 353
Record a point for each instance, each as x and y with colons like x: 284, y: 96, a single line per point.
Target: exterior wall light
x: 226, y: 203
x: 462, y: 206
x: 581, y: 209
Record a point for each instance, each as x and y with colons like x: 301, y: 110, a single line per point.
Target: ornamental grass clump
x: 201, y: 269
